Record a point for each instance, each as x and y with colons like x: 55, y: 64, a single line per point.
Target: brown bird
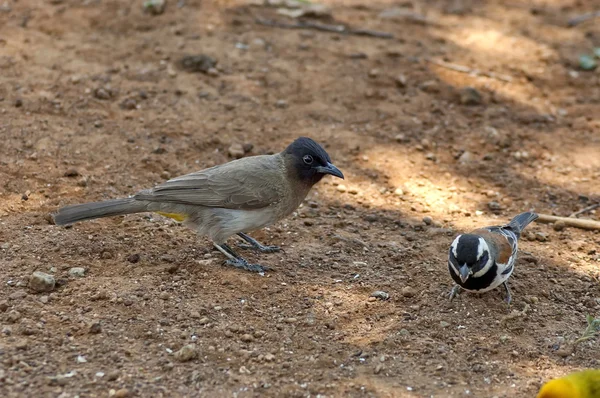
x: 232, y: 198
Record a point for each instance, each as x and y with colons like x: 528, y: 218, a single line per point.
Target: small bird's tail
x: 518, y: 224
x: 89, y: 211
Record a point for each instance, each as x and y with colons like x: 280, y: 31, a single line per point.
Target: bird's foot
x: 260, y: 248
x: 253, y: 244
x: 454, y: 292
x: 243, y: 264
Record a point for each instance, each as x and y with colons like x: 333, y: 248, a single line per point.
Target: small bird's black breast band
x: 473, y: 283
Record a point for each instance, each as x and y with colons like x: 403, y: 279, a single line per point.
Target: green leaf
x: 587, y: 62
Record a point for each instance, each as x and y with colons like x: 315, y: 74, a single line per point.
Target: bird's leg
x: 454, y: 292
x: 508, y: 297
x: 256, y: 245
x: 238, y: 261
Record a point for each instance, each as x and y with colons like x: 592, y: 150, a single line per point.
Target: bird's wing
x: 505, y: 242
x: 245, y: 184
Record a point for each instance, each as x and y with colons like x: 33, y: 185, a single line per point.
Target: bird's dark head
x: 469, y: 256
x: 309, y: 161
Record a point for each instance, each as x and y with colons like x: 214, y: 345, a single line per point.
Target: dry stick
x: 475, y: 72
x: 570, y: 222
x: 325, y: 28
x: 582, y: 18
x: 589, y: 208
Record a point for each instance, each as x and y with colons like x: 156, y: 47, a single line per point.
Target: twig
x: 325, y: 28
x: 474, y: 72
x: 582, y: 18
x: 589, y: 208
x: 570, y: 222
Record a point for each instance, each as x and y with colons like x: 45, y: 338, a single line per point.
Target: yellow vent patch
x: 175, y: 216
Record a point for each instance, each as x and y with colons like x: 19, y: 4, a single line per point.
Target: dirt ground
x: 95, y: 104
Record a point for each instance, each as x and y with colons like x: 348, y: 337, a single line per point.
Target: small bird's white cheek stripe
x: 480, y: 248
x: 485, y: 268
x: 453, y: 267
x: 455, y: 245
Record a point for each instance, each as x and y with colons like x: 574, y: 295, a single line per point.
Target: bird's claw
x: 454, y: 292
x: 243, y: 264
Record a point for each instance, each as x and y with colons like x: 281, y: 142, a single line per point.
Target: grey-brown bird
x: 232, y: 198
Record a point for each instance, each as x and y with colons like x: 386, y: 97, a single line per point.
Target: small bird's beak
x: 330, y: 169
x: 464, y: 272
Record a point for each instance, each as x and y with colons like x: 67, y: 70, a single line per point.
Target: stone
x: 186, y: 353
x: 236, y: 151
x: 41, y: 282
x: 154, y: 7
x: 18, y: 295
x: 77, y: 272
x: 408, y: 291
x: 470, y: 96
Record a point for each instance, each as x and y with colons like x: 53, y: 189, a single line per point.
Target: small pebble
x: 371, y: 217
x: 541, y: 237
x: 18, y: 295
x: 102, y: 93
x: 95, y: 328
x: 154, y: 7
x: 41, y: 282
x: 401, y: 81
x: 77, y: 272
x: 13, y: 316
x: 281, y: 104
x: 493, y: 205
x: 466, y: 157
x: 186, y: 353
x: 342, y: 188
x: 427, y: 220
x: 408, y: 291
x: 398, y: 192
x: 236, y: 151
x: 247, y: 338
x: 133, y: 258
x: 470, y: 96
x: 122, y: 393
x: 444, y: 324
x: 198, y: 63
x: 559, y: 225
x: 381, y: 295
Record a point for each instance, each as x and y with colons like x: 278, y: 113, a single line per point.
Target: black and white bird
x: 485, y: 258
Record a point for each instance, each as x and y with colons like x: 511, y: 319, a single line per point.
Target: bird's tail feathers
x: 519, y: 223
x: 89, y: 211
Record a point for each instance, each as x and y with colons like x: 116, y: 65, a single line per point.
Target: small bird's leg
x: 256, y: 245
x: 508, y: 297
x: 238, y: 261
x: 454, y: 292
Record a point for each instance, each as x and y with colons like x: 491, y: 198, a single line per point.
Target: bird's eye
x: 307, y: 159
x: 484, y: 259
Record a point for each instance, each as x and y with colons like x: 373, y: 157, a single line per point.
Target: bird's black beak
x: 330, y: 169
x: 464, y: 272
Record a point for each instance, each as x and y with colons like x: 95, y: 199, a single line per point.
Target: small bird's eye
x: 484, y: 259
x: 307, y: 159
